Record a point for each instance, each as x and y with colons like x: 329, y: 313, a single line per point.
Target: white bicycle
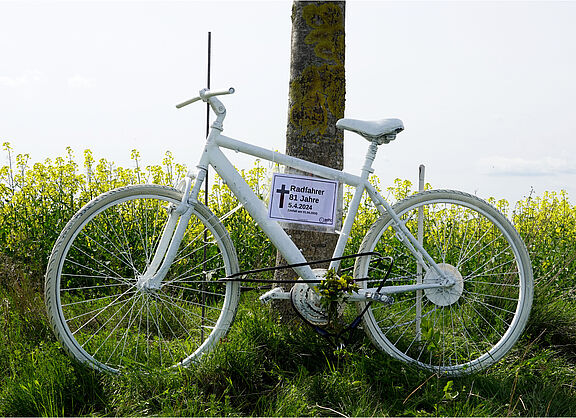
x: 148, y: 275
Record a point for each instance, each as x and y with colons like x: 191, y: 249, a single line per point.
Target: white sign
x: 303, y: 200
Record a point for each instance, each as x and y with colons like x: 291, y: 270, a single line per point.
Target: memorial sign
x: 303, y: 200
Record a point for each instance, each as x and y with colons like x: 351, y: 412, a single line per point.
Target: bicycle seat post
x: 369, y: 160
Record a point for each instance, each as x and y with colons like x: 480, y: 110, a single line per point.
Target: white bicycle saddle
x: 380, y: 131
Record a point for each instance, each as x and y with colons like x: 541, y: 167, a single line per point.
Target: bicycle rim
x: 474, y: 323
x: 97, y: 310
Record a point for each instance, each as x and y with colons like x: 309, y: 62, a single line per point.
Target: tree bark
x: 316, y: 102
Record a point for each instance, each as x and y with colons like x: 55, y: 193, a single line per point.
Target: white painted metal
x: 213, y: 156
x: 442, y: 284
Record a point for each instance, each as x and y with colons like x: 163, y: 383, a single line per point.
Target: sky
x: 486, y: 90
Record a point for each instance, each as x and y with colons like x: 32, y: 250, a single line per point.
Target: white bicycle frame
x: 213, y: 156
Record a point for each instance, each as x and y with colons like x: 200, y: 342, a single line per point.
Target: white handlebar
x: 205, y: 94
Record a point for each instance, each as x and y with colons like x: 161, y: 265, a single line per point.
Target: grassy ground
x: 267, y: 369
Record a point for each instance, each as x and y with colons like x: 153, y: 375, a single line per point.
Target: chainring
x: 307, y: 302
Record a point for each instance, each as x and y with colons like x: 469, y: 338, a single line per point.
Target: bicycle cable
x: 234, y: 277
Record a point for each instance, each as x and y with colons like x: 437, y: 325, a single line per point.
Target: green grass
x: 267, y: 369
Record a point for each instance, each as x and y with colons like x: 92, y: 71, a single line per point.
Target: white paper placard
x: 303, y: 200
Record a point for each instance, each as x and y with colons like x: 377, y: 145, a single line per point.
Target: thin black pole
x: 206, y: 192
x: 208, y: 112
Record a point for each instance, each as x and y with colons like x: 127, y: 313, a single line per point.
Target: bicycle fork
x: 172, y: 235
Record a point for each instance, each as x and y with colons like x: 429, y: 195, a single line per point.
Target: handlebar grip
x: 205, y: 94
x: 187, y: 102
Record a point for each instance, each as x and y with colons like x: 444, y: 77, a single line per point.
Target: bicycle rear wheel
x: 465, y: 328
x: 100, y: 315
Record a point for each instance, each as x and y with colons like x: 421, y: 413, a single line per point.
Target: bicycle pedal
x: 378, y: 297
x: 275, y: 293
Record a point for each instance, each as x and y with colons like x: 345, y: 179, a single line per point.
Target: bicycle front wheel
x: 466, y: 327
x: 104, y: 318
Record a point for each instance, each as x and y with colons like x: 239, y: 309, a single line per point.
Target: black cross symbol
x: 282, y: 192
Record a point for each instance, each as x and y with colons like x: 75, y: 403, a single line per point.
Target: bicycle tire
x: 96, y: 310
x: 470, y: 326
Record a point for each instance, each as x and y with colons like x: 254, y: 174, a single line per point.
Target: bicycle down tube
x: 214, y: 156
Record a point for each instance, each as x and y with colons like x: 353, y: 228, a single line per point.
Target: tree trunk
x: 316, y: 102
